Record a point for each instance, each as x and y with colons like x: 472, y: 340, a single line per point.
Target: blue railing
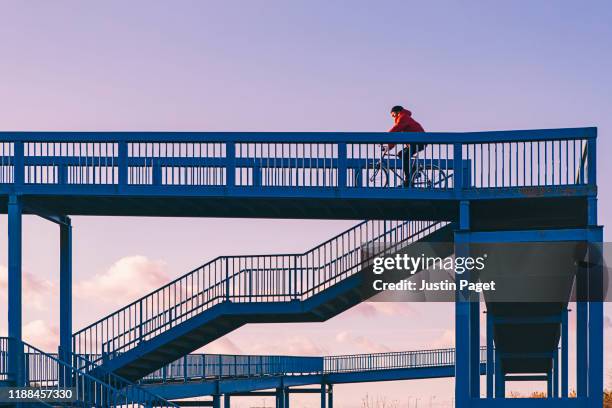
x: 199, y: 367
x: 33, y: 161
x: 98, y: 389
x: 394, y: 360
x: 214, y: 366
x: 4, y: 371
x: 258, y: 278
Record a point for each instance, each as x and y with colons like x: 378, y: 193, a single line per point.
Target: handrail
x: 229, y: 278
x: 158, y: 160
x: 202, y: 367
x: 288, y: 137
x: 45, y: 370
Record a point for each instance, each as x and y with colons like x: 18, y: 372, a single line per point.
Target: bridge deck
x: 290, y: 175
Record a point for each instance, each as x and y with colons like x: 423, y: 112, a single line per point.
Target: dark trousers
x: 409, y: 162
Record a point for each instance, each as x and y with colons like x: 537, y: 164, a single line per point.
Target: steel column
x: 549, y: 383
x: 226, y: 401
x: 555, y: 374
x: 500, y: 380
x: 490, y: 357
x: 595, y: 319
x: 65, y: 349
x: 279, y: 398
x: 216, y: 401
x: 474, y: 346
x: 330, y: 396
x: 463, y: 386
x: 15, y: 351
x: 564, y: 354
x: 323, y: 396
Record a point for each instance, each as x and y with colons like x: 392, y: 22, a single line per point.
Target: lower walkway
x: 197, y: 375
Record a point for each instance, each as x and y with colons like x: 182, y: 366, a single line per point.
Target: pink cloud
x: 222, y: 346
x: 41, y: 335
x: 127, y: 279
x: 361, y: 342
x: 293, y: 345
x: 36, y: 291
x: 376, y: 309
x: 445, y: 340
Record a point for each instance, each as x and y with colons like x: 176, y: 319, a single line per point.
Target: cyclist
x: 405, y: 123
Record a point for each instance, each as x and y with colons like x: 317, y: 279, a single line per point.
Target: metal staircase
x: 45, y: 371
x: 229, y: 292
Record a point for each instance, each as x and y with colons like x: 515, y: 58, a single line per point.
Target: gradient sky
x: 290, y: 66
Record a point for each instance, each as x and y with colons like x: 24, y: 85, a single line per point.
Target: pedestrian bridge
x: 461, y: 189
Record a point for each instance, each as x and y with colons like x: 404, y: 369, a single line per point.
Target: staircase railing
x: 201, y: 367
x: 254, y: 278
x: 88, y: 388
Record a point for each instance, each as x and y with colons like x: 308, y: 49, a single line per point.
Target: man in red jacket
x: 405, y: 123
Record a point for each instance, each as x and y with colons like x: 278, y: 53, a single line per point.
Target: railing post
x: 230, y: 167
x: 342, y: 163
x: 140, y: 322
x: 156, y: 176
x: 18, y: 164
x: 227, y: 282
x: 185, y: 368
x: 592, y: 160
x: 122, y: 163
x: 203, y: 366
x: 457, y: 167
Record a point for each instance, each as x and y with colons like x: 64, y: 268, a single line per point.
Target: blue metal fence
x: 534, y: 158
x: 197, y: 367
x: 213, y: 366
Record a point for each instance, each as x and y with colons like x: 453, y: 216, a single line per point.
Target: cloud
x: 445, y: 340
x: 362, y: 343
x: 608, y: 322
x: 126, y: 280
x: 222, y: 346
x: 41, y: 335
x: 36, y: 291
x: 293, y: 345
x: 377, y: 309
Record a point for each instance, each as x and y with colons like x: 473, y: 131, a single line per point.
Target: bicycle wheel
x: 420, y: 179
x: 377, y: 176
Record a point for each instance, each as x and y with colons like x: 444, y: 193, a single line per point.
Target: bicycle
x: 383, y: 171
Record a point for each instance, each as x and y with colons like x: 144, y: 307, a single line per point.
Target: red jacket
x: 405, y: 123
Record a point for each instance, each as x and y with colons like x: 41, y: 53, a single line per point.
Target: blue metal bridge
x: 461, y: 189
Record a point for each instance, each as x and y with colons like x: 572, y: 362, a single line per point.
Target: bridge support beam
x: 323, y: 396
x: 226, y: 401
x: 490, y: 357
x: 65, y: 348
x: 216, y: 400
x: 500, y: 377
x: 330, y: 396
x: 467, y: 324
x: 596, y: 318
x: 280, y: 398
x: 564, y: 354
x: 15, y: 347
